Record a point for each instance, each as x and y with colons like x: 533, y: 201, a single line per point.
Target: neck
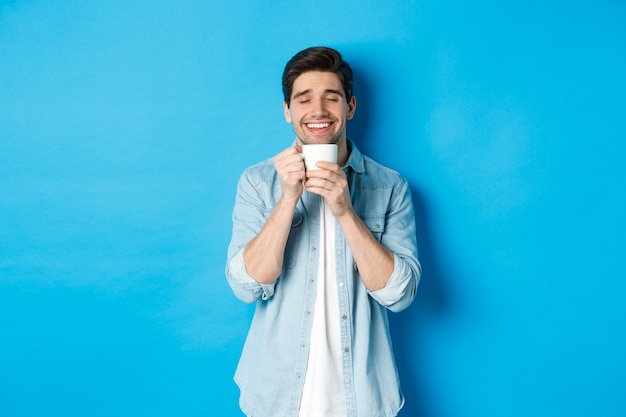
x: 343, y: 152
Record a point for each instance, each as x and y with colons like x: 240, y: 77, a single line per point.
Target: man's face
x: 319, y: 109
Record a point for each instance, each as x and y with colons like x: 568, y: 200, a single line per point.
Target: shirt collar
x: 355, y: 160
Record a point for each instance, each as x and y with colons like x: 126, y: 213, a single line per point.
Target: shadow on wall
x: 431, y: 300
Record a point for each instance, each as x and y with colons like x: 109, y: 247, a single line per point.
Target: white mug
x: 318, y: 152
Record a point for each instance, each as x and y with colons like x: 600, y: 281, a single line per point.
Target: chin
x: 320, y: 140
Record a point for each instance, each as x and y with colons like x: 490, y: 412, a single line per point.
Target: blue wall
x: 124, y: 126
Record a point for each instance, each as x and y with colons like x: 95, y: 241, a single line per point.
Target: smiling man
x: 324, y: 254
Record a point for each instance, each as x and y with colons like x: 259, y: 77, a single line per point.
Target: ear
x: 287, y: 112
x: 351, y: 108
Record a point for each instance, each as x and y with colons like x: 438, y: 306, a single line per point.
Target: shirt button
x: 339, y: 252
x: 341, y: 284
x: 313, y: 248
x: 378, y: 225
x: 347, y: 380
x: 346, y: 350
x: 314, y: 216
x: 344, y: 317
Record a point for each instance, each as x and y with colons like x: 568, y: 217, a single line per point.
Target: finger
x: 321, y: 186
x: 289, y: 160
x: 292, y: 172
x: 328, y: 166
x: 324, y: 174
x: 290, y: 153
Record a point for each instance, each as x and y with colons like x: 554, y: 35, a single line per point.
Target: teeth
x: 318, y: 125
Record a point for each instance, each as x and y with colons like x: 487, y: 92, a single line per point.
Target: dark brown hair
x: 318, y: 58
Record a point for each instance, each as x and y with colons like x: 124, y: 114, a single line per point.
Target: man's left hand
x: 330, y: 182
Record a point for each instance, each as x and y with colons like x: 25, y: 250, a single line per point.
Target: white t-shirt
x: 323, y: 394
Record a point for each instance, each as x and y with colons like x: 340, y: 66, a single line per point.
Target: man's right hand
x: 290, y: 167
x: 263, y: 255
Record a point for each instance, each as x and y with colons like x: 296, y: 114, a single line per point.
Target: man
x: 324, y: 254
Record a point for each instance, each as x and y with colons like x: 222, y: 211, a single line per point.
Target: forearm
x: 263, y: 255
x: 374, y: 261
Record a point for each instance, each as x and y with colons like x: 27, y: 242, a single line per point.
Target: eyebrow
x: 327, y: 91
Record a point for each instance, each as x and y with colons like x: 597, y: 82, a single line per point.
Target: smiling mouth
x: 318, y: 126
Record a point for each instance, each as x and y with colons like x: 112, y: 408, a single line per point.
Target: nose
x: 319, y: 108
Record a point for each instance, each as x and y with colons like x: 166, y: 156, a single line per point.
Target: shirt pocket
x: 290, y: 257
x: 375, y: 224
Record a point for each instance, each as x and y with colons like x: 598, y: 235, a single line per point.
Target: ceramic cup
x: 318, y: 152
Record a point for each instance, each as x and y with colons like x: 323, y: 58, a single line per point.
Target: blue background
x: 124, y: 126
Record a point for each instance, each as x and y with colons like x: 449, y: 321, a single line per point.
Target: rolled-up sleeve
x: 243, y: 285
x: 248, y: 219
x: 401, y: 287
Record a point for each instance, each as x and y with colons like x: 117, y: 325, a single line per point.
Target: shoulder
x: 261, y: 172
x: 377, y: 175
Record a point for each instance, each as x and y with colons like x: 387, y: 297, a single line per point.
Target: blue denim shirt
x: 271, y: 370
